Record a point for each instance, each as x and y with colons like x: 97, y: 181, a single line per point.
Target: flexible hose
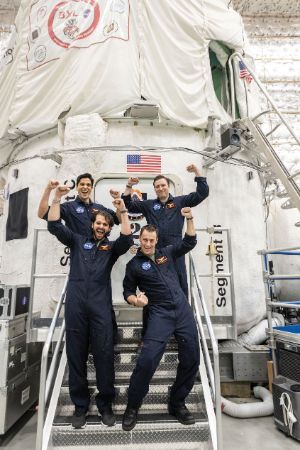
x: 247, y: 410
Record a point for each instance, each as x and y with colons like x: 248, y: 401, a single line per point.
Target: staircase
x: 155, y: 429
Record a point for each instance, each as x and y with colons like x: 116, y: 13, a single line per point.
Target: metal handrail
x: 275, y: 250
x: 262, y: 89
x: 213, y: 372
x: 46, y: 381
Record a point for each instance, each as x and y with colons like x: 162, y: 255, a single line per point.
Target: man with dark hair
x: 88, y: 312
x: 77, y: 213
x: 153, y: 271
x: 164, y: 212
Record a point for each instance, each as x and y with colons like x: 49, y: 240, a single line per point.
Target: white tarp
x: 85, y: 56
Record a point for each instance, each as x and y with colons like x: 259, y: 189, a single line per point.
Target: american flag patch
x: 143, y: 163
x: 244, y: 73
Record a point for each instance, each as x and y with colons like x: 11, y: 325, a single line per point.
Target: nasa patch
x: 146, y: 266
x: 156, y: 206
x: 88, y: 245
x: 80, y: 209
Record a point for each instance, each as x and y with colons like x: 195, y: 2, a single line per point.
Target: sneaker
x: 129, y: 419
x: 79, y: 418
x: 107, y: 416
x: 182, y: 414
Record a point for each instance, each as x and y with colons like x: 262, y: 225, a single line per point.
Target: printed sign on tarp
x: 57, y: 25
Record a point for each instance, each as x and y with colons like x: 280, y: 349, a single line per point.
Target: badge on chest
x: 146, y: 265
x: 88, y: 245
x: 104, y: 247
x: 170, y: 205
x: 161, y: 260
x: 80, y: 210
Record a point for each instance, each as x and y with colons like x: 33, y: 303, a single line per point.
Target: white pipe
x: 247, y: 410
x: 258, y: 334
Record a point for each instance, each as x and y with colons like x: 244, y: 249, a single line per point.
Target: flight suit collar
x: 170, y: 199
x: 78, y: 200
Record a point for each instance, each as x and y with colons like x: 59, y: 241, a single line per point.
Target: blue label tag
x: 146, y: 266
x: 88, y: 245
x: 156, y: 206
x: 80, y: 210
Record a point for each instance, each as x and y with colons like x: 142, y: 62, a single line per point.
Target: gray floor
x: 246, y: 434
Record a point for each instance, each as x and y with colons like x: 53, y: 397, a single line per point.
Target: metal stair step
x: 151, y: 428
x: 156, y: 400
x: 125, y: 363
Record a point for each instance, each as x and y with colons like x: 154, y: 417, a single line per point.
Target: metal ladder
x: 257, y: 142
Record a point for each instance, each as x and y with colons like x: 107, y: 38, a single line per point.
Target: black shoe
x: 79, y: 418
x: 129, y: 419
x: 182, y: 414
x: 107, y: 416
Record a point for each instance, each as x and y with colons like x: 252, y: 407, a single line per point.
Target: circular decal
x: 88, y: 245
x: 146, y: 266
x: 80, y: 209
x: 156, y: 206
x: 40, y: 53
x: 73, y: 20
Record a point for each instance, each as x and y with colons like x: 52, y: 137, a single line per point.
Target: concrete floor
x: 246, y: 434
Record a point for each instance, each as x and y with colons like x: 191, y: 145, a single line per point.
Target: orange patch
x: 104, y: 247
x: 161, y: 260
x: 170, y: 205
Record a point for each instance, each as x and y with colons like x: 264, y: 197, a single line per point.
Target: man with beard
x: 88, y: 312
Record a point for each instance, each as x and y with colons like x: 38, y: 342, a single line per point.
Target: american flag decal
x: 244, y: 73
x: 143, y: 163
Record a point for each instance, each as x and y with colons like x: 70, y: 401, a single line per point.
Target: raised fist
x: 52, y: 184
x: 132, y: 181
x: 62, y: 190
x: 193, y: 168
x: 114, y: 194
x: 119, y: 204
x: 186, y: 212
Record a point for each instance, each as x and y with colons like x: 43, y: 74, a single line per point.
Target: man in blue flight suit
x: 153, y: 271
x: 88, y: 312
x: 77, y: 214
x: 164, y: 212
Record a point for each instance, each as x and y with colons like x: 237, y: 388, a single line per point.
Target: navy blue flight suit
x: 78, y: 217
x: 88, y: 312
x: 169, y: 313
x: 168, y: 219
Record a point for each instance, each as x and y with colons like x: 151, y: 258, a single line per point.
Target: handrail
x: 213, y: 373
x: 275, y: 250
x: 262, y: 89
x: 46, y: 381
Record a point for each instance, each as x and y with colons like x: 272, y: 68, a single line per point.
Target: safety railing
x: 46, y: 379
x: 269, y: 280
x: 47, y: 376
x: 34, y: 276
x: 263, y: 91
x: 213, y: 370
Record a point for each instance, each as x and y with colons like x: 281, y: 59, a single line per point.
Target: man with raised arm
x: 153, y: 272
x: 88, y: 312
x: 77, y: 213
x: 164, y: 212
